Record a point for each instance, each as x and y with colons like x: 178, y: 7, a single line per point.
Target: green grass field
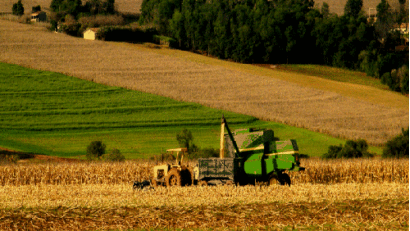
x: 53, y: 114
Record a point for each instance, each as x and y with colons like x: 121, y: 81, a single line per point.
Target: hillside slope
x: 264, y: 96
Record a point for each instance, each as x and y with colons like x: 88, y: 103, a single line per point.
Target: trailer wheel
x: 173, y: 178
x: 202, y: 183
x: 155, y: 183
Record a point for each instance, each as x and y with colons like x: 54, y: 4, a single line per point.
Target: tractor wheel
x: 202, y: 183
x: 173, y: 178
x: 285, y: 179
x: 186, y: 177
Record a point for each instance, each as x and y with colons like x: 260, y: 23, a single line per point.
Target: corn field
x: 317, y: 172
x: 335, y: 194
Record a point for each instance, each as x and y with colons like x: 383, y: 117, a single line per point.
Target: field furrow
x: 264, y: 97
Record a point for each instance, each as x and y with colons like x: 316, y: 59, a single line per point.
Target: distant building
x: 91, y: 33
x: 402, y: 28
x: 39, y: 16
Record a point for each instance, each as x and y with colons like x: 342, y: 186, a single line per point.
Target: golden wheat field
x: 266, y: 97
x: 337, y: 195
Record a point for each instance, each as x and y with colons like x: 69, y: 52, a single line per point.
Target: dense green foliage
x: 36, y: 8
x: 67, y: 12
x: 114, y: 156
x: 126, y: 33
x: 18, y: 8
x: 398, y: 147
x: 95, y: 150
x: 280, y: 31
x: 76, y: 7
x: 352, y: 149
x: 50, y: 113
x: 185, y: 139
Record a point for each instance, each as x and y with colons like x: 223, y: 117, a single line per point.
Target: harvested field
x: 104, y: 199
x: 264, y: 97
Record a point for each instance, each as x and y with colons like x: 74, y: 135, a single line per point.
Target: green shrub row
x: 398, y: 147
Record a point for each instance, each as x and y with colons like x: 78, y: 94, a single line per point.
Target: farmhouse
x: 39, y: 16
x: 91, y: 33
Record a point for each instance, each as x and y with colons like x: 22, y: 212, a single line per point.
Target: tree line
x: 287, y: 31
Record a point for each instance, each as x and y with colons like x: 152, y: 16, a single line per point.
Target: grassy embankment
x: 54, y: 114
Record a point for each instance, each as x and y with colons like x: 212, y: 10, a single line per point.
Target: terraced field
x: 234, y: 87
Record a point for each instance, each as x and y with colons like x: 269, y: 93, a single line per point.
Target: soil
x: 28, y: 157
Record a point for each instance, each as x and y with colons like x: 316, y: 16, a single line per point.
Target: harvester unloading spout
x: 224, y: 125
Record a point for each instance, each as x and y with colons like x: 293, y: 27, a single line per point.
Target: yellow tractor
x: 173, y: 174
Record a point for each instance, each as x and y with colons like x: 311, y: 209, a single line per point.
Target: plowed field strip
x: 257, y: 95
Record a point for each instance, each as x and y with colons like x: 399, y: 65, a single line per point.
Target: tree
x: 95, y: 150
x: 398, y: 146
x: 176, y: 26
x: 325, y: 10
x: 18, y: 8
x: 353, y: 8
x: 352, y: 149
x: 185, y: 140
x: 36, y: 8
x: 384, y: 21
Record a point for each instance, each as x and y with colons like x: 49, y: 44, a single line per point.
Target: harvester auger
x: 173, y: 174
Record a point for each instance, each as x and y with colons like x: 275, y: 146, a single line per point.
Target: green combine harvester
x: 247, y: 156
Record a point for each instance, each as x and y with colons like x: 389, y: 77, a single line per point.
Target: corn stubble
x: 343, y: 194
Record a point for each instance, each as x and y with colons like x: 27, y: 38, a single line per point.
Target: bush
x: 100, y: 21
x: 95, y: 150
x: 114, y: 155
x: 403, y: 74
x: 352, y: 149
x: 204, y: 153
x: 398, y: 146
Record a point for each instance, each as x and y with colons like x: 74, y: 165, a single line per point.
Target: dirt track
x: 260, y: 96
